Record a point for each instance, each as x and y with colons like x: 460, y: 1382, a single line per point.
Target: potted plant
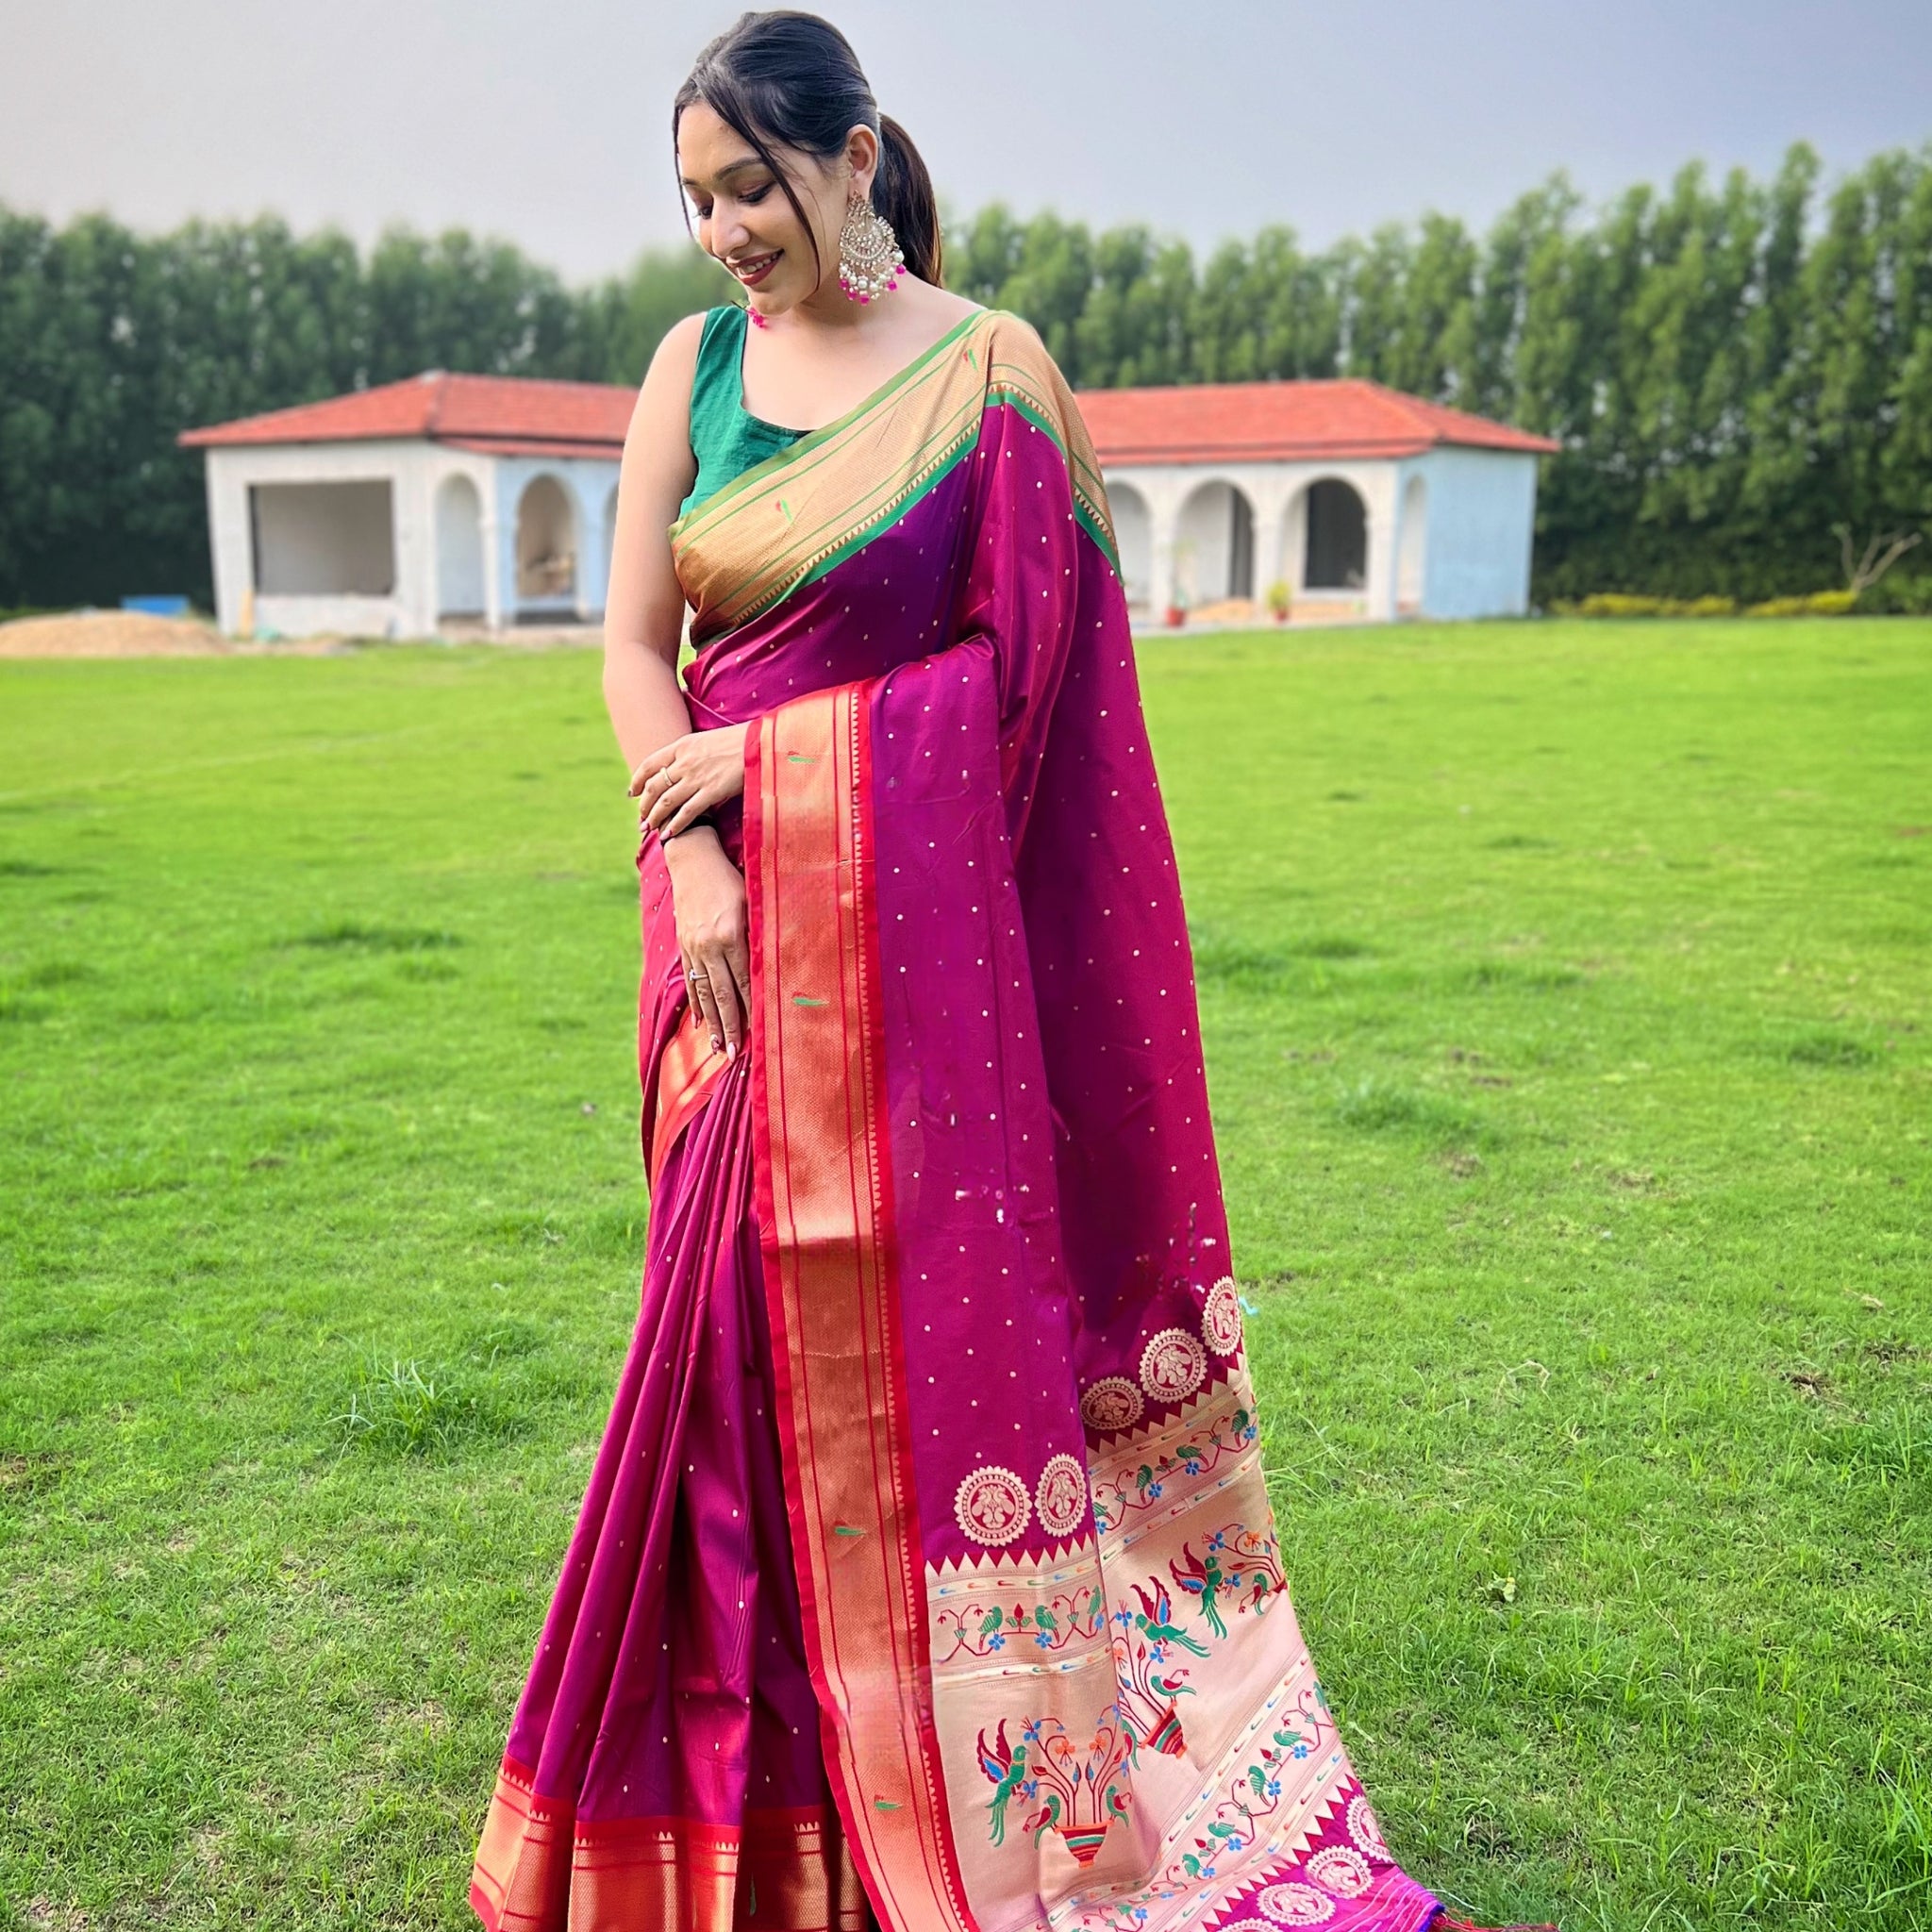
x: 1279, y: 602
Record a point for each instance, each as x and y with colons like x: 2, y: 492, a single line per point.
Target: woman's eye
x: 752, y: 196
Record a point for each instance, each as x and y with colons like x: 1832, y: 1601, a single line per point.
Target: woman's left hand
x: 684, y: 778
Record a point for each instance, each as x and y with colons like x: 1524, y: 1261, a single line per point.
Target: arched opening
x: 1336, y: 556
x: 610, y: 543
x: 1214, y: 556
x: 458, y: 549
x: 1133, y: 535
x: 1410, y: 549
x: 546, y: 544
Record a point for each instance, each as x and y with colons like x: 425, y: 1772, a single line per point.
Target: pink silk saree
x: 928, y: 1564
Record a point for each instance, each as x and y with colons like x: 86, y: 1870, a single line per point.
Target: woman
x: 928, y: 1569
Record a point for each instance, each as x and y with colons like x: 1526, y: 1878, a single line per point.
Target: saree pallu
x: 928, y: 1562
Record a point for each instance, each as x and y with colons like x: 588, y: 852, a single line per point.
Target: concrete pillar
x: 1269, y: 495
x: 497, y: 558
x: 589, y: 522
x: 1381, y: 496
x: 1164, y: 516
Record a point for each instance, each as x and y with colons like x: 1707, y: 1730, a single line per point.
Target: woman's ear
x: 862, y: 158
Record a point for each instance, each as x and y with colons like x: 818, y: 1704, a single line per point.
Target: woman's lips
x: 754, y: 268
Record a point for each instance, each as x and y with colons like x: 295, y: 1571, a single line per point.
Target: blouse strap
x: 716, y: 382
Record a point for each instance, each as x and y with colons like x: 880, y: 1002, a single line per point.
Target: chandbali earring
x: 870, y: 259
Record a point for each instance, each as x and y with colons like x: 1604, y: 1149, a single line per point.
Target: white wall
x: 587, y: 482
x: 1478, y: 515
x: 1411, y: 541
x: 1133, y: 535
x: 1481, y: 529
x: 415, y: 470
x: 1205, y: 560
x: 324, y: 539
x: 1274, y: 492
x: 459, y: 590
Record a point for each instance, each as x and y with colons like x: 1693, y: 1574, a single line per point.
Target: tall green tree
x: 1733, y: 369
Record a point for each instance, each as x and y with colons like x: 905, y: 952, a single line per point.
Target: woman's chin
x: 769, y: 303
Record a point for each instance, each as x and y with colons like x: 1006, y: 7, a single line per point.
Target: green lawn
x: 1566, y: 995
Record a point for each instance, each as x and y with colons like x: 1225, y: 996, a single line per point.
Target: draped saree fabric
x: 928, y: 1561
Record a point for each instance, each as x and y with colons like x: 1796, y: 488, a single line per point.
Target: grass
x: 1565, y: 996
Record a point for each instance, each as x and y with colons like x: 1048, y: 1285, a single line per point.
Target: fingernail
x: 731, y: 1050
x: 716, y: 1042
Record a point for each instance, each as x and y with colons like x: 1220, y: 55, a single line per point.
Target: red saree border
x: 825, y: 1214
x: 538, y: 1869
x: 688, y: 1069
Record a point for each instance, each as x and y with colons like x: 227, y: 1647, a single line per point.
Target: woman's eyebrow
x: 724, y: 173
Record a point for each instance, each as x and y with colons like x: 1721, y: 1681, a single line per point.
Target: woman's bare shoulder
x: 660, y: 417
x: 675, y: 362
x: 951, y: 309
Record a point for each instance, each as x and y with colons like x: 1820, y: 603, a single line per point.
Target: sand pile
x: 109, y: 634
x: 140, y: 634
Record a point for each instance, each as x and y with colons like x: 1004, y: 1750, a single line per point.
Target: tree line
x: 1740, y: 372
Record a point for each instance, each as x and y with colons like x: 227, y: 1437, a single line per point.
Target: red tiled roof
x: 506, y: 415
x: 1282, y: 422
x: 1203, y: 422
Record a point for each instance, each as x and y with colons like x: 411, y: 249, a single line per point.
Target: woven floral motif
x: 991, y: 1505
x: 1173, y: 1365
x: 1123, y: 1485
x: 1221, y: 1319
x: 1366, y: 1832
x: 1111, y: 1404
x: 1151, y: 1680
x: 1023, y: 1630
x: 1060, y: 1495
x: 1295, y: 1904
x: 1073, y: 1789
x: 1340, y: 1869
x: 1236, y: 1564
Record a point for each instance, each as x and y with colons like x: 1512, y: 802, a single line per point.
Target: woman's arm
x: 644, y: 621
x: 643, y: 610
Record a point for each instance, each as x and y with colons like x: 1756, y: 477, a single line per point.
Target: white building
x: 389, y: 512
x: 394, y: 511
x: 1355, y: 500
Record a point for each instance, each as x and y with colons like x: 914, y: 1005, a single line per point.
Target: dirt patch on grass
x: 132, y: 634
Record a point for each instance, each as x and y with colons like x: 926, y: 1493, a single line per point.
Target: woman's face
x: 747, y: 221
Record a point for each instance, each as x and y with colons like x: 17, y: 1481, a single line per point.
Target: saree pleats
x: 665, y: 1769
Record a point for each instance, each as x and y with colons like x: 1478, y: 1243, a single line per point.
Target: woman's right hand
x: 713, y: 934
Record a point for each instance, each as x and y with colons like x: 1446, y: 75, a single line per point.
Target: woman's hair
x: 792, y: 80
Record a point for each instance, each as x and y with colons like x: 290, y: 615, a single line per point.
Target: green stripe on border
x: 1091, y: 516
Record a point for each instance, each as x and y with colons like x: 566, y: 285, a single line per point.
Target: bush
x: 1811, y: 604
x: 1818, y: 604
x: 1622, y: 603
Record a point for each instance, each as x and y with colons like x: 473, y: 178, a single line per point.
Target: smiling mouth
x: 753, y: 269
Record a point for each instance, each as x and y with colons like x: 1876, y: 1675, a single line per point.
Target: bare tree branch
x: 1866, y: 572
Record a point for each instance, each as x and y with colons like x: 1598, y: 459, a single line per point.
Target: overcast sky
x: 547, y: 123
